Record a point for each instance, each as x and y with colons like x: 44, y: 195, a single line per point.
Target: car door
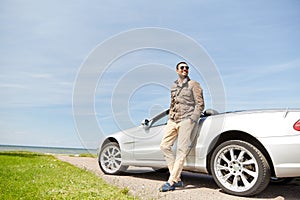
x: 147, y: 141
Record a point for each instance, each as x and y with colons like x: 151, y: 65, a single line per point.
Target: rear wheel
x: 239, y: 168
x: 110, y: 159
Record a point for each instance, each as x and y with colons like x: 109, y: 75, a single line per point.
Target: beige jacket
x: 186, y: 101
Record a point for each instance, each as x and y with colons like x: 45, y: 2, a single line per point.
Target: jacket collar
x: 187, y: 79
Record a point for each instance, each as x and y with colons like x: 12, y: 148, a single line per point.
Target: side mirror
x: 145, y: 122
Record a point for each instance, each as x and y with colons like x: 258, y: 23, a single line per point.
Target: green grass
x: 85, y: 155
x: 25, y: 175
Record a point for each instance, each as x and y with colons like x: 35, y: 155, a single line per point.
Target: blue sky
x: 254, y: 44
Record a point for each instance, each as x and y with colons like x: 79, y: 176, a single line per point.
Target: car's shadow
x: 288, y: 191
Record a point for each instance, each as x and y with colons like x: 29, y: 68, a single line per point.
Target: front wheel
x: 110, y: 159
x: 239, y: 168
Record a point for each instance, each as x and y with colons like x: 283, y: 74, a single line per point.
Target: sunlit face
x: 183, y: 70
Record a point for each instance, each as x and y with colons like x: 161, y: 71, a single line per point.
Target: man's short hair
x: 182, y: 62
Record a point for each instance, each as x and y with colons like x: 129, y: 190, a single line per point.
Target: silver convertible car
x: 242, y: 150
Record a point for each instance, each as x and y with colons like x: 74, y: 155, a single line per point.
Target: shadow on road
x: 290, y: 191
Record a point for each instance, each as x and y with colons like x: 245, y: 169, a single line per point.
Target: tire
x: 239, y: 168
x: 110, y: 159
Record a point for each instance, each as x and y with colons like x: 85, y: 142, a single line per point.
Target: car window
x: 161, y: 121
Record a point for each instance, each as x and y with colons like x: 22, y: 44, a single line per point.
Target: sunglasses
x: 186, y: 67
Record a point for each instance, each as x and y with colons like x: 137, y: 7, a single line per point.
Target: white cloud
x: 12, y: 86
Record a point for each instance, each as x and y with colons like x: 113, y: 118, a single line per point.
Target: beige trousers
x: 182, y: 132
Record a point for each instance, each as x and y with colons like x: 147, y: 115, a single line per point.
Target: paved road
x: 144, y: 183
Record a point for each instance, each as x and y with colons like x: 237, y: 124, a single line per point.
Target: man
x: 186, y: 106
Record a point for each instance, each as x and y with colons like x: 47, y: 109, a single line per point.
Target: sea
x: 48, y: 150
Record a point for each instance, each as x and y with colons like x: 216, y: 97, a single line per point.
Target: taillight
x: 297, y: 125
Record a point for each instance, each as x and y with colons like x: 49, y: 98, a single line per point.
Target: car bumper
x: 284, y: 152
